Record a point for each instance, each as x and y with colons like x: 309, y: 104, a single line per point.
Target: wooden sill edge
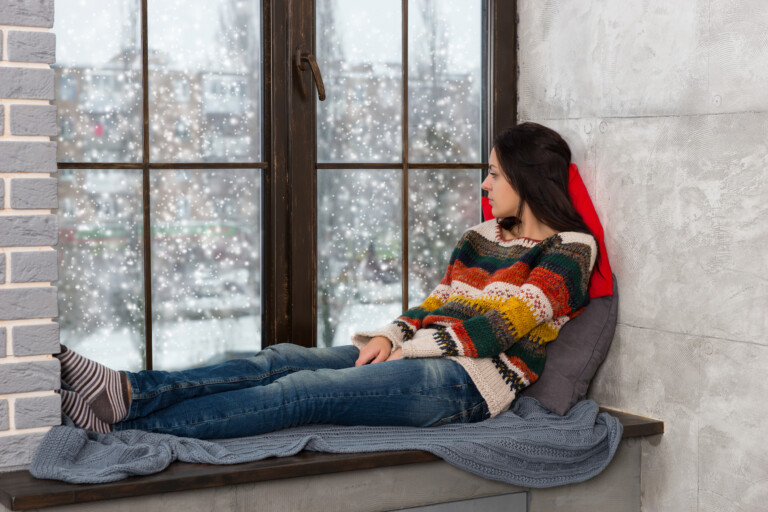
x: 20, y: 491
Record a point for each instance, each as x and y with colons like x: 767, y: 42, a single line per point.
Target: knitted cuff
x: 423, y: 344
x: 391, y: 331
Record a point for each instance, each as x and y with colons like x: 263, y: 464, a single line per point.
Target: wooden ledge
x: 21, y: 491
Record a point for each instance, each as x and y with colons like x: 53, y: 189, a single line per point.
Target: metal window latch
x: 303, y: 58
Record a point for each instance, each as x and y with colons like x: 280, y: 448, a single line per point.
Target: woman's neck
x: 529, y: 227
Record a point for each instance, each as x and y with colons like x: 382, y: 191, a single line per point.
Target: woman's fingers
x: 382, y: 356
x: 367, y: 354
x: 376, y: 351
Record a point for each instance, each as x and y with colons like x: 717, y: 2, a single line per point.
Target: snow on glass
x: 359, y: 51
x: 444, y: 80
x: 205, y: 80
x: 100, y: 286
x: 359, y: 48
x: 359, y: 247
x: 442, y: 204
x: 205, y: 105
x: 206, y: 266
x: 98, y: 81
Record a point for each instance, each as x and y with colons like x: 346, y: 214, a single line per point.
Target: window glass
x: 98, y: 85
x: 445, y: 80
x: 359, y: 251
x: 100, y: 286
x: 206, y: 266
x: 442, y: 205
x: 205, y: 73
x: 359, y: 51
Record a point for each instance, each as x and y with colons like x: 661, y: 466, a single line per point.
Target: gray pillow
x: 574, y: 357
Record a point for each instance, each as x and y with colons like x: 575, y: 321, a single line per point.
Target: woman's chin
x: 498, y: 213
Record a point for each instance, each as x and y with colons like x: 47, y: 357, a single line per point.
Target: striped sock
x: 81, y: 414
x: 103, y: 389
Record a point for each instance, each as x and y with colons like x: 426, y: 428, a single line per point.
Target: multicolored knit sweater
x: 499, y: 304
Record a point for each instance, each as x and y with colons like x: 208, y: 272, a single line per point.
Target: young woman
x: 463, y: 355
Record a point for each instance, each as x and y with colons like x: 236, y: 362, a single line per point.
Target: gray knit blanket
x: 526, y: 446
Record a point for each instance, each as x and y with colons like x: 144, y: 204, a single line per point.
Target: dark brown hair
x: 535, y: 159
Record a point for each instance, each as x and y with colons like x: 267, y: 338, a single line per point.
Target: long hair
x: 535, y: 159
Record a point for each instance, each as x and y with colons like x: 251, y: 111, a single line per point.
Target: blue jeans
x: 287, y: 385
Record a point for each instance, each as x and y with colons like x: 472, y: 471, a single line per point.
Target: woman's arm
x: 555, y: 289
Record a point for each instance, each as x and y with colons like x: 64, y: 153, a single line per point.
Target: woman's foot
x: 81, y: 414
x: 105, y: 391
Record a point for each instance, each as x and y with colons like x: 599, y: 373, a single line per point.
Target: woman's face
x: 503, y: 198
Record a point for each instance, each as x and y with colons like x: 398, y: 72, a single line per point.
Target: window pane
x: 101, y: 278
x: 205, y: 80
x: 359, y: 51
x: 206, y: 266
x: 359, y: 251
x: 445, y: 80
x: 98, y: 80
x: 442, y: 205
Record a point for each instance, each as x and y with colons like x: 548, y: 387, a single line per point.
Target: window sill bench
x: 305, y: 476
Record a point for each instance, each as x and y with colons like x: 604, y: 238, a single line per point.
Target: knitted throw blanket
x: 526, y: 446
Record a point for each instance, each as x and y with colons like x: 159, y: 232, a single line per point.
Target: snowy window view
x: 101, y: 274
x: 206, y: 265
x: 205, y: 70
x: 205, y: 107
x: 359, y: 216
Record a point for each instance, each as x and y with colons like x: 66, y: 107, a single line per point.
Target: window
x: 214, y: 205
x: 162, y: 263
x: 400, y: 151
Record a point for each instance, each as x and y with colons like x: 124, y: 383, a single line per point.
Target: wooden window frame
x: 289, y: 239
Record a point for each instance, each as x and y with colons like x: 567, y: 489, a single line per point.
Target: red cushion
x: 601, y: 282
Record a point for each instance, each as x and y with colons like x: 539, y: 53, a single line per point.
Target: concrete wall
x: 665, y: 105
x: 28, y: 231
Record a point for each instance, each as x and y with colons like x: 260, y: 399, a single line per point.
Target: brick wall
x: 29, y: 375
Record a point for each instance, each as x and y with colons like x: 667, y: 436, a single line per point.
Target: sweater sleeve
x: 555, y: 290
x: 406, y: 325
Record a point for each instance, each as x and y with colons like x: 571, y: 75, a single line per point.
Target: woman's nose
x: 485, y: 185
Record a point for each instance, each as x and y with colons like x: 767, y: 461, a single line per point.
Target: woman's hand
x: 376, y: 351
x: 397, y: 354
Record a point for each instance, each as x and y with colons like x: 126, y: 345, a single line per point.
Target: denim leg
x: 153, y: 390
x: 413, y: 392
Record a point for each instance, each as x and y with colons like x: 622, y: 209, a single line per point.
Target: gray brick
x: 26, y: 83
x: 27, y: 156
x: 2, y: 193
x: 30, y: 376
x: 28, y: 230
x: 34, y: 267
x: 41, y: 411
x: 31, y: 193
x: 2, y: 268
x: 2, y: 107
x: 27, y: 13
x: 4, y: 423
x: 23, y: 303
x: 16, y: 452
x: 3, y: 341
x: 34, y: 120
x: 31, y: 46
x: 33, y: 340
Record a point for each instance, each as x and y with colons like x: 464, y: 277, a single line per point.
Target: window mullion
x: 146, y: 189
x: 404, y: 129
